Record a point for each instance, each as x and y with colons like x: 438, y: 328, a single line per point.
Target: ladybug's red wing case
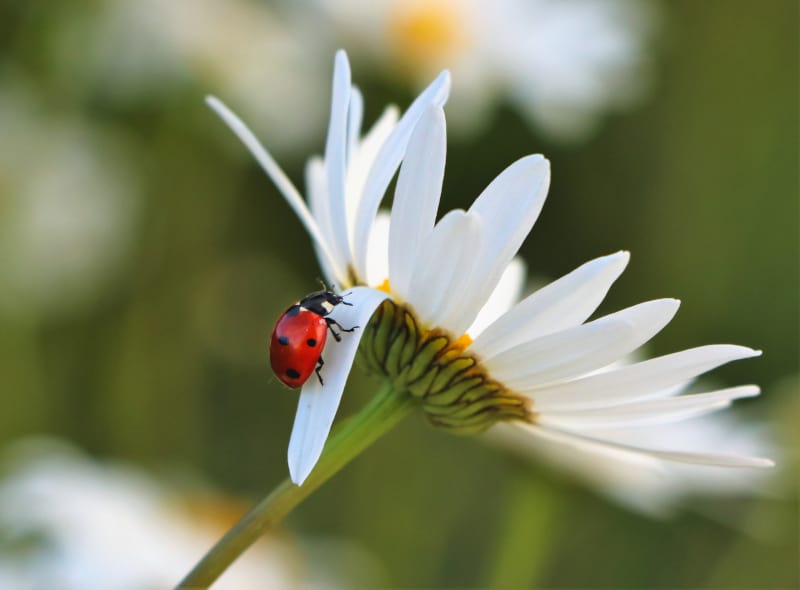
x: 296, y: 345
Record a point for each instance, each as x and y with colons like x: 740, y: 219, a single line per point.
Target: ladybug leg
x: 332, y: 322
x: 320, y: 362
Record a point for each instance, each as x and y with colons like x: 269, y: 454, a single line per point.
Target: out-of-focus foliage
x: 144, y: 257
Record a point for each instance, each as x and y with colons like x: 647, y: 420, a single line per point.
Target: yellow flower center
x: 427, y: 35
x: 462, y: 342
x: 385, y: 287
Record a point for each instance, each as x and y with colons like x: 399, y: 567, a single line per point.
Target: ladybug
x: 295, y: 350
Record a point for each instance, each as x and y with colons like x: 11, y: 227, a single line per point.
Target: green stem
x: 526, y: 537
x: 382, y: 413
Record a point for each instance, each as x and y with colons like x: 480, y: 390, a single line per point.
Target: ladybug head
x: 323, y: 302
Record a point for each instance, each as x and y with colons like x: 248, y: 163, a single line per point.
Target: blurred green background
x: 147, y: 340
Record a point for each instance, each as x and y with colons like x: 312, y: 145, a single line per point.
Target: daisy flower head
x: 448, y: 329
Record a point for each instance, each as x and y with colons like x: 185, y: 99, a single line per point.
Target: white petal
x: 439, y: 277
x: 378, y: 254
x: 318, y: 404
x: 360, y: 160
x: 282, y: 182
x: 644, y: 482
x: 504, y: 296
x: 651, y: 378
x: 581, y: 349
x: 508, y: 207
x: 631, y: 478
x: 316, y: 188
x: 562, y: 304
x: 336, y: 157
x: 355, y: 116
x: 646, y: 413
x: 416, y: 200
x: 582, y: 442
x: 387, y: 161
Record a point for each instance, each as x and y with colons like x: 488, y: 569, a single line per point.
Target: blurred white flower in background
x: 263, y: 64
x: 69, y: 522
x: 561, y: 63
x: 69, y: 206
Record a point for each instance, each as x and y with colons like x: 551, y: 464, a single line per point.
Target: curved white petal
x: 508, y: 208
x: 646, y: 413
x: 556, y: 356
x: 576, y: 351
x: 416, y: 199
x: 562, y: 304
x: 504, y: 296
x: 282, y: 182
x: 336, y: 157
x: 387, y: 161
x: 582, y: 442
x: 318, y: 404
x: 360, y: 160
x: 648, y: 379
x: 438, y: 279
x: 378, y: 254
x: 625, y: 476
x: 355, y: 116
x: 643, y: 482
x: 316, y: 188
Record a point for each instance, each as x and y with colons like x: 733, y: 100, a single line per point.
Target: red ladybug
x: 295, y: 350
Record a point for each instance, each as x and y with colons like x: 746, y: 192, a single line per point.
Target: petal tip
x: 299, y: 465
x: 296, y: 476
x: 536, y: 159
x: 341, y: 68
x: 760, y: 463
x: 750, y: 391
x: 341, y: 54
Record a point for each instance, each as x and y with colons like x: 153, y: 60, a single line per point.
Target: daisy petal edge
x: 318, y: 403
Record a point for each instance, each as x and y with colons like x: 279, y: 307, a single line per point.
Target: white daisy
x: 70, y: 522
x: 448, y: 334
x: 345, y: 189
x: 238, y: 45
x: 70, y: 204
x: 561, y: 63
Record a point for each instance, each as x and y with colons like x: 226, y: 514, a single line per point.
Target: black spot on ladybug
x: 311, y: 342
x: 291, y: 373
x: 283, y: 340
x: 292, y: 311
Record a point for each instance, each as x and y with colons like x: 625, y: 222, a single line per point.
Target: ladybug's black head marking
x: 322, y: 302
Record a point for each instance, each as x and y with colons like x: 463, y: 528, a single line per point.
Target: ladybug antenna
x: 325, y: 287
x: 345, y: 302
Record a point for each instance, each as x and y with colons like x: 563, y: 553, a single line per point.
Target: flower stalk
x: 379, y: 416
